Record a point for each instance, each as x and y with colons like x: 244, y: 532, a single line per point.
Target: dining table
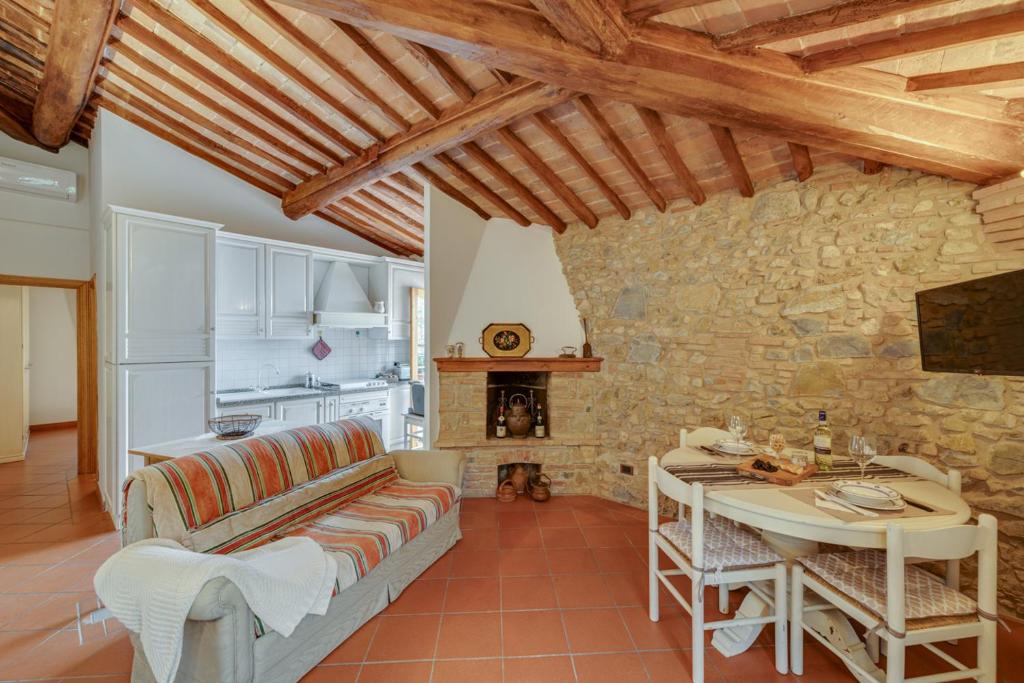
x: 791, y: 522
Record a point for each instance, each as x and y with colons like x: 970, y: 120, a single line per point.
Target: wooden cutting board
x: 781, y: 477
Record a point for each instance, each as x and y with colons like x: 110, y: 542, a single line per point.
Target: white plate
x: 865, y: 490
x: 733, y: 448
x: 888, y: 505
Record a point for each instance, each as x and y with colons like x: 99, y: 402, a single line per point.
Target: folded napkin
x: 150, y: 587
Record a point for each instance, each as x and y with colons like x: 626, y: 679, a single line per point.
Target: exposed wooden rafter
x: 842, y: 14
x: 440, y: 183
x: 802, y: 163
x: 597, y: 25
x: 77, y: 37
x: 642, y: 10
x: 916, y: 42
x: 483, y: 190
x: 663, y: 141
x: 733, y: 160
x: 489, y: 110
x: 993, y: 76
x: 614, y: 143
x: 676, y: 71
x: 870, y: 167
x: 502, y: 175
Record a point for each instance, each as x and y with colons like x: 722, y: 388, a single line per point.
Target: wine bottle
x: 539, y: 430
x: 500, y: 427
x: 823, y: 443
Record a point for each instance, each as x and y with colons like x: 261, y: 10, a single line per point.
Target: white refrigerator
x: 157, y: 311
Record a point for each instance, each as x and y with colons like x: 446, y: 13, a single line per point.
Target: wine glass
x: 858, y: 452
x: 738, y: 429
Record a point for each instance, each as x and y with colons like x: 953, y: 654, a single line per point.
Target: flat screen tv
x: 975, y: 326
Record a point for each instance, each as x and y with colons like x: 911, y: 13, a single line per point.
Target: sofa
x: 385, y: 517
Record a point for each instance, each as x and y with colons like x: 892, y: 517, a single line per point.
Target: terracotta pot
x: 519, y: 421
x: 506, y: 492
x: 540, y: 488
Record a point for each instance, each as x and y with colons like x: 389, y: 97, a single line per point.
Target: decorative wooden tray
x: 780, y: 477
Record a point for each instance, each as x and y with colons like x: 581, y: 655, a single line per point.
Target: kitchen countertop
x: 244, y: 397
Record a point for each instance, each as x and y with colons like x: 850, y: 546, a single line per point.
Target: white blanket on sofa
x: 150, y: 587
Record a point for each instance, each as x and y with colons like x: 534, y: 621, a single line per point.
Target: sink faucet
x: 260, y: 386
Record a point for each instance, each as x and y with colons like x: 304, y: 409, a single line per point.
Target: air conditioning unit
x: 21, y: 176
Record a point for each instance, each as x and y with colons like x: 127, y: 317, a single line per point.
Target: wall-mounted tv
x: 975, y: 326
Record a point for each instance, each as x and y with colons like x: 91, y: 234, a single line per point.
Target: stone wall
x: 567, y: 457
x: 799, y: 298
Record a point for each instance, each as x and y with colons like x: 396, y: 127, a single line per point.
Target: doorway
x: 86, y: 383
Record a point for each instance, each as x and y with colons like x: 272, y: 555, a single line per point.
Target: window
x: 417, y: 334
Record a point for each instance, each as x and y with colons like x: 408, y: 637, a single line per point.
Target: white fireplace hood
x: 341, y: 301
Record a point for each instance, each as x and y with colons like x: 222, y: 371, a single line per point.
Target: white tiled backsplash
x: 353, y: 356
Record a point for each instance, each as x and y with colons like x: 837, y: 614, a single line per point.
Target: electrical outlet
x: 626, y: 469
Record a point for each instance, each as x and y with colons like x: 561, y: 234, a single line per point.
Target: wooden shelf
x: 518, y: 364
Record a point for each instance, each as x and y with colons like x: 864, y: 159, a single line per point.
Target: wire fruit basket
x: 228, y: 427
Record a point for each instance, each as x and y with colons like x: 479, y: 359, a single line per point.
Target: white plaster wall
x: 517, y: 277
x: 479, y: 272
x: 53, y: 380
x: 45, y: 237
x: 453, y: 235
x: 141, y: 171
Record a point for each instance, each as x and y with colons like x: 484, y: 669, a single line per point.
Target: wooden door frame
x: 86, y: 345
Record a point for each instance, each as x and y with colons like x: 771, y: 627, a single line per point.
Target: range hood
x: 341, y: 301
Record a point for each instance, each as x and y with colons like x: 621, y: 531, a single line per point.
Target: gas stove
x: 356, y: 384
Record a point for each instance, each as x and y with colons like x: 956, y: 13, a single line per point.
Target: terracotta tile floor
x: 533, y: 593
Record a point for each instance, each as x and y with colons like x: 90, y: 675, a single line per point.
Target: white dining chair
x: 702, y: 436
x: 904, y: 604
x: 710, y: 552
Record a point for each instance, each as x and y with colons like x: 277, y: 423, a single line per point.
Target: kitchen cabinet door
x: 289, y: 287
x: 303, y: 411
x: 400, y: 400
x: 330, y: 408
x: 264, y: 410
x: 164, y: 283
x: 240, y: 289
x: 392, y: 282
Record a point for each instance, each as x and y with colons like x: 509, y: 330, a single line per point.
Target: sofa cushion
x: 259, y: 523
x: 189, y: 492
x: 363, y: 533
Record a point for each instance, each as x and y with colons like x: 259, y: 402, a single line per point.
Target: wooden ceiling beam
x: 188, y: 35
x: 642, y: 10
x: 17, y: 17
x: 434, y: 62
x: 399, y: 212
x: 667, y: 147
x: 411, y: 208
x: 171, y: 104
x: 547, y: 176
x: 843, y: 14
x: 675, y: 71
x: 328, y: 63
x: 406, y: 185
x: 551, y: 129
x: 15, y: 127
x: 285, y: 151
x: 916, y: 42
x: 614, y: 143
x: 389, y: 69
x: 358, y: 201
x: 21, y: 46
x: 983, y: 77
x: 871, y: 167
x: 272, y: 57
x: 802, y: 163
x: 733, y: 161
x: 366, y: 230
x: 482, y: 189
x: 513, y: 184
x: 458, y: 195
x: 597, y: 25
x: 490, y: 109
x: 1015, y: 108
x: 75, y: 46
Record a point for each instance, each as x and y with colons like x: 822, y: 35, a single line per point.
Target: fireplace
x: 527, y: 388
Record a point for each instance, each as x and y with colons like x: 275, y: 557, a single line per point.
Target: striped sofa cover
x: 331, y: 482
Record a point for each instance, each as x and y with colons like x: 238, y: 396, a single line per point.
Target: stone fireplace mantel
x: 482, y: 364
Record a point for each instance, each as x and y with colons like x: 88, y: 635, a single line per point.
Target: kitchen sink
x: 268, y: 395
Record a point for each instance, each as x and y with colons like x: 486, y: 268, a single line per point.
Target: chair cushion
x: 860, y: 576
x: 726, y: 546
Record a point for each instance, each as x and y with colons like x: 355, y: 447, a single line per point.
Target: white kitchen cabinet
x: 391, y: 282
x: 264, y: 410
x: 241, y: 294
x: 399, y: 402
x: 330, y: 408
x: 289, y: 293
x: 161, y: 273
x: 159, y: 402
x: 303, y: 411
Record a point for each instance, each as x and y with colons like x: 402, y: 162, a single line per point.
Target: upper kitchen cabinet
x: 289, y: 287
x: 160, y: 287
x: 241, y: 273
x: 392, y: 282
